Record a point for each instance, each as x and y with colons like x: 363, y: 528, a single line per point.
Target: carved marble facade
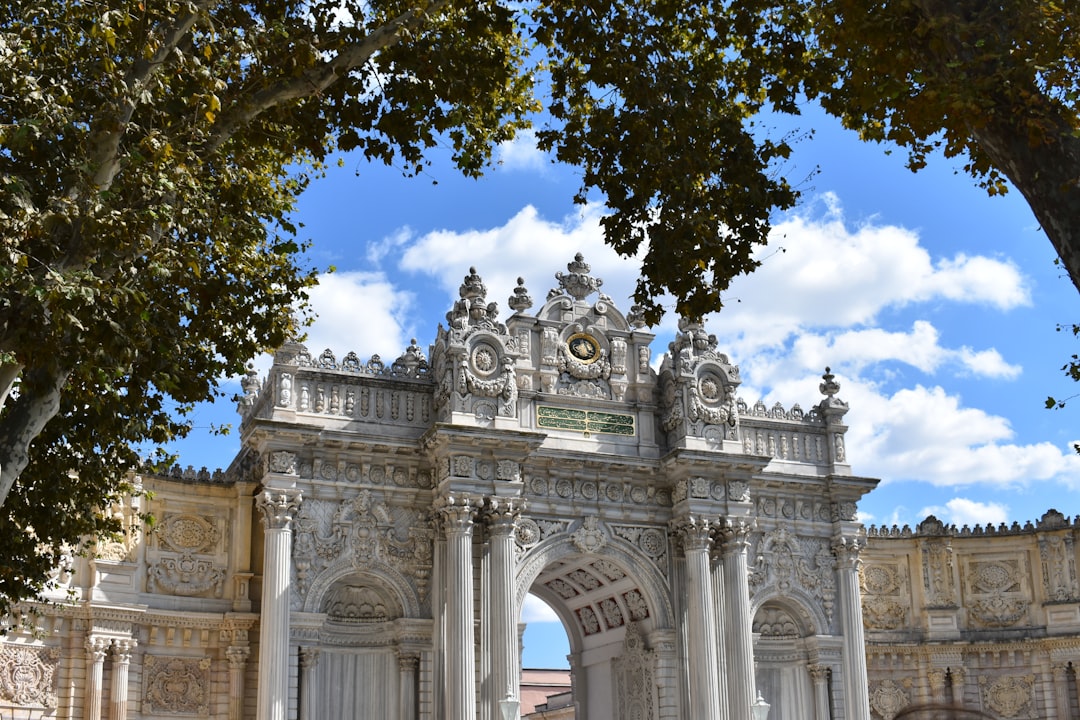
x: 367, y: 553
x: 986, y: 617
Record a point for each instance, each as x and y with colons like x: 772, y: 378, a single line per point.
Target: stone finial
x: 829, y: 386
x: 520, y: 301
x: 472, y: 309
x: 636, y: 316
x: 578, y: 283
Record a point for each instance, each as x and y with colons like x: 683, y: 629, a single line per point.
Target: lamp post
x: 760, y: 708
x: 509, y: 707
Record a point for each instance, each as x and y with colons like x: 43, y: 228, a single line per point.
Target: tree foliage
x: 151, y: 154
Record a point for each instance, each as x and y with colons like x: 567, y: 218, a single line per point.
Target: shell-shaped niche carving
x: 355, y: 602
x: 775, y: 621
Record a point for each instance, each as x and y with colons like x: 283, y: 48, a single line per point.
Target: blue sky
x: 935, y: 305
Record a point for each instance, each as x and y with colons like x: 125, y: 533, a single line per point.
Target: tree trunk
x: 37, y: 403
x: 1047, y: 174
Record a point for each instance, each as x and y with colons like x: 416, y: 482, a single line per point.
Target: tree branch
x: 318, y: 79
x: 25, y: 419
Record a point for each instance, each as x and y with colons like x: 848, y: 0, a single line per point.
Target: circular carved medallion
x: 583, y: 347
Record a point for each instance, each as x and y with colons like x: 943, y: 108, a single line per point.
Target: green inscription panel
x: 584, y: 421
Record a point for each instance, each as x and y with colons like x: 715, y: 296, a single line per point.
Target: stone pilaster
x: 819, y: 676
x: 935, y: 677
x: 238, y: 657
x: 856, y: 692
x: 738, y: 633
x: 958, y: 675
x: 278, y: 508
x: 1061, y: 691
x: 309, y: 660
x: 502, y: 517
x: 460, y: 695
x: 96, y: 650
x: 696, y: 536
x: 118, y: 696
x: 408, y: 664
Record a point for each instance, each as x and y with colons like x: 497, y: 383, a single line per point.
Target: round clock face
x: 583, y: 347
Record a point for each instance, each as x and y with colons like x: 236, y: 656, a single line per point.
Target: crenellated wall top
x: 932, y: 527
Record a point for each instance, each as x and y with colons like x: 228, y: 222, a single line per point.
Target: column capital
x: 237, y: 655
x: 456, y: 513
x: 936, y: 677
x: 408, y: 661
x: 123, y: 648
x: 694, y: 531
x: 278, y: 506
x: 847, y: 549
x: 502, y: 515
x: 819, y: 673
x: 97, y: 648
x: 736, y: 535
x: 309, y: 657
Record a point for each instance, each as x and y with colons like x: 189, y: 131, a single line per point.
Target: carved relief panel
x: 996, y: 590
x: 28, y: 675
x: 886, y: 595
x: 186, y: 555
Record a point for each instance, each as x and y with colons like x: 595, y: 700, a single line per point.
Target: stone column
x: 716, y: 563
x: 278, y: 507
x: 695, y: 534
x: 739, y: 634
x: 856, y: 692
x: 957, y: 675
x: 819, y: 675
x: 502, y: 522
x: 309, y: 660
x: 118, y: 696
x: 407, y: 665
x: 1061, y: 691
x: 460, y: 652
x: 238, y: 657
x: 96, y: 650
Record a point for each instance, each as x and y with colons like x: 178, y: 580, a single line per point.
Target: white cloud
x: 535, y: 610
x: 342, y: 299
x: 521, y: 153
x: 527, y: 245
x: 962, y: 511
x: 926, y: 434
x: 830, y: 275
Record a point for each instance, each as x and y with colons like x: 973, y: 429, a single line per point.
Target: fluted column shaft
x: 856, y: 692
x: 278, y: 508
x: 457, y: 517
x: 407, y: 667
x: 502, y: 522
x: 739, y: 631
x: 238, y: 657
x: 309, y: 660
x: 118, y: 700
x: 96, y: 650
x: 819, y: 674
x: 695, y: 534
x: 1061, y: 691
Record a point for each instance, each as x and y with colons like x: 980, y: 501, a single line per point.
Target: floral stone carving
x: 177, y: 685
x: 28, y: 675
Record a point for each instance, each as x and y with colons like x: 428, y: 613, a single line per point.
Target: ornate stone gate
x: 410, y: 506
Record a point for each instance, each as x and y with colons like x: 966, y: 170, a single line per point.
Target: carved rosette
x: 28, y: 675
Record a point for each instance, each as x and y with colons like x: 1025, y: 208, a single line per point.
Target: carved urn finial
x: 578, y: 283
x: 520, y: 301
x: 829, y: 386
